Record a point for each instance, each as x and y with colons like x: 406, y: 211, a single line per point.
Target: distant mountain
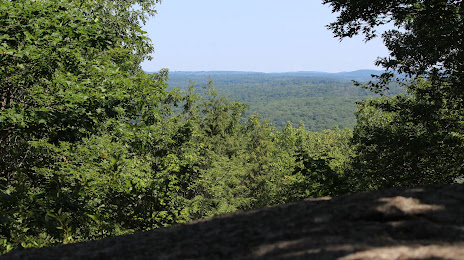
x: 321, y: 100
x: 358, y: 75
x: 200, y: 73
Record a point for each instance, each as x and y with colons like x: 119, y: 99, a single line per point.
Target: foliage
x: 416, y: 138
x: 91, y: 146
x: 320, y: 100
x: 408, y: 140
x: 75, y: 110
x: 234, y: 163
x: 426, y: 39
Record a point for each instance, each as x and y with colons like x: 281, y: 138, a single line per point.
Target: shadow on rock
x: 414, y: 223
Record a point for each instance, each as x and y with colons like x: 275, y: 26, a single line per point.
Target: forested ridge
x: 92, y: 146
x: 318, y: 100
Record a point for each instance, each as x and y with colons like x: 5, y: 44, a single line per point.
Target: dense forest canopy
x: 316, y: 99
x: 92, y: 146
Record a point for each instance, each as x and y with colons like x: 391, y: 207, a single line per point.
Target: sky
x: 253, y: 35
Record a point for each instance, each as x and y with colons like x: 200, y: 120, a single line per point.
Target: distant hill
x: 359, y: 75
x: 206, y: 73
x: 320, y: 100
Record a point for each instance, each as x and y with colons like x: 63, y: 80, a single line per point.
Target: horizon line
x: 261, y: 72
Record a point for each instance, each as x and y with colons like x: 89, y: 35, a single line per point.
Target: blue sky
x: 253, y: 35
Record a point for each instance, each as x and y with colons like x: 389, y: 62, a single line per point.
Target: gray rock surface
x: 411, y: 223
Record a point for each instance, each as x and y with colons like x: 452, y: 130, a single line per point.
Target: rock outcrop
x: 411, y: 223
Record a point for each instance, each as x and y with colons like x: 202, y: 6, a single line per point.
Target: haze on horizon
x: 258, y: 35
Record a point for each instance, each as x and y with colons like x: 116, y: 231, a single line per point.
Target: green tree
x: 415, y: 138
x: 426, y: 39
x: 408, y: 140
x: 76, y: 116
x: 321, y: 161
